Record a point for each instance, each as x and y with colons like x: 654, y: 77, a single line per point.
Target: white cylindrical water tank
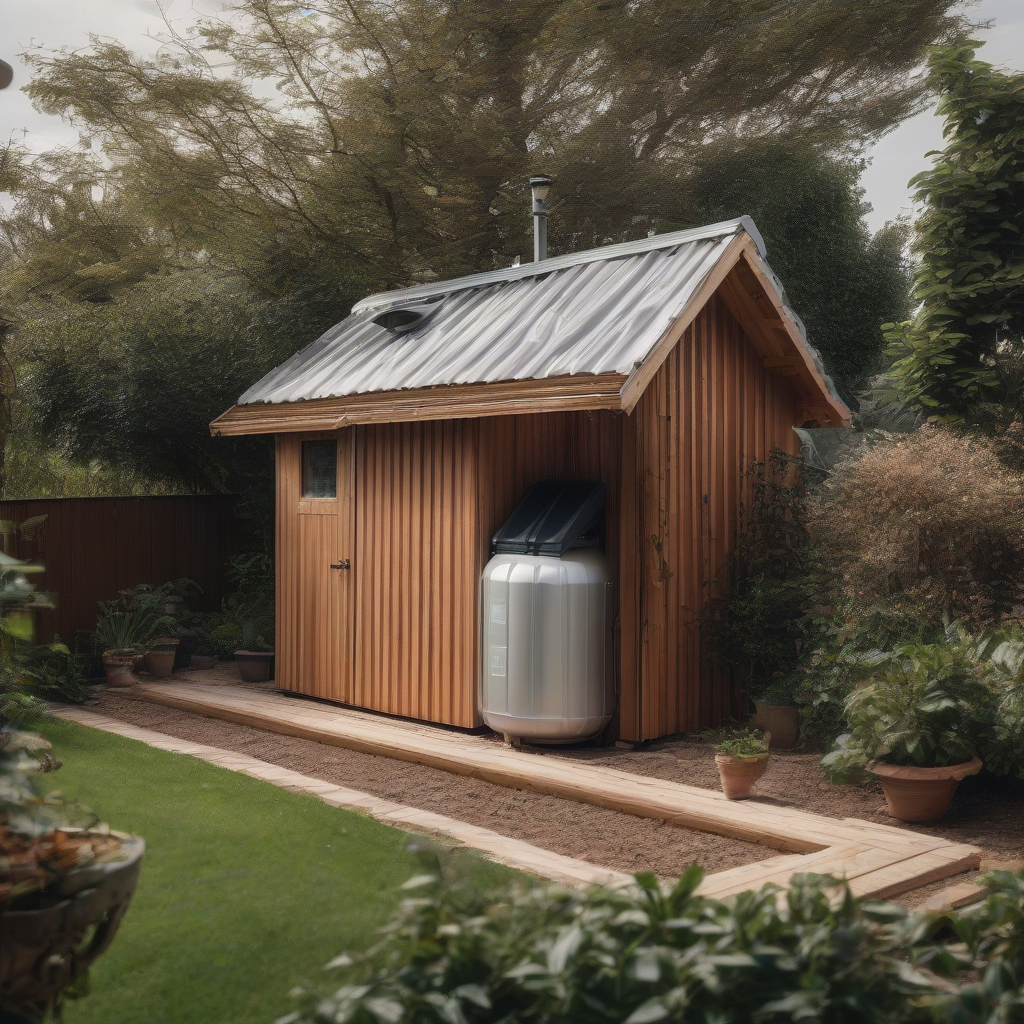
x: 547, y: 668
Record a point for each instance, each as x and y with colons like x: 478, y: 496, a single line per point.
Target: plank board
x: 512, y: 852
x: 879, y: 860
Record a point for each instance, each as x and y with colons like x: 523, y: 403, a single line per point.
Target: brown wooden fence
x: 94, y: 547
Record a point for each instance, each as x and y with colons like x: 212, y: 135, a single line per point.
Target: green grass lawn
x: 246, y: 890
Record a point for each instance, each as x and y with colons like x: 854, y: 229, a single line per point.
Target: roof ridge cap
x: 607, y: 252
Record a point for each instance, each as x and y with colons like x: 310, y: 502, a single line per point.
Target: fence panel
x: 94, y: 547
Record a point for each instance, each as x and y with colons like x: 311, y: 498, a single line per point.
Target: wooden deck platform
x: 876, y: 860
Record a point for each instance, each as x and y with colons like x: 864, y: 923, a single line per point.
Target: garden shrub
x: 758, y: 630
x: 53, y: 672
x: 933, y: 520
x: 647, y: 954
x: 930, y: 705
x: 223, y: 640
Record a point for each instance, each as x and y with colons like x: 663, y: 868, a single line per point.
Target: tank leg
x: 512, y: 741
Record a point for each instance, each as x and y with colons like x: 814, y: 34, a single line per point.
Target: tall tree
x: 962, y: 356
x: 844, y: 282
x: 400, y: 135
x: 304, y: 152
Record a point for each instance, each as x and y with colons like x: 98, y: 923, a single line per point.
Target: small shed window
x: 319, y: 469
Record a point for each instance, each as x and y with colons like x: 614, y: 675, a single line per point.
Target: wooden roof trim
x: 765, y: 320
x: 795, y: 360
x: 454, y: 401
x: 642, y: 375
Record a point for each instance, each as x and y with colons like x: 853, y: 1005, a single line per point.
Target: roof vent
x: 400, y: 319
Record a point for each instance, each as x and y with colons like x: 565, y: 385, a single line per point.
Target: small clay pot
x: 119, y: 667
x: 921, y: 794
x: 160, y: 659
x: 254, y: 666
x: 740, y: 773
x: 781, y: 720
x: 160, y: 663
x: 201, y: 661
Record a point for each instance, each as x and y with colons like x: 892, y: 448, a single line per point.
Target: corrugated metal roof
x: 600, y: 311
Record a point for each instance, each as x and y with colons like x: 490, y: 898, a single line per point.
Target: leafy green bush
x: 123, y: 626
x: 16, y: 705
x: 926, y: 705
x: 646, y: 954
x: 53, y: 672
x: 757, y: 629
x: 1003, y: 753
x: 251, y: 606
x: 224, y: 640
x: 744, y: 743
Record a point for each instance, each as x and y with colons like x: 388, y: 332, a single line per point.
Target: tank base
x: 546, y: 730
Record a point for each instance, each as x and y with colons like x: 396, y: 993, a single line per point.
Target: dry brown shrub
x: 934, y: 516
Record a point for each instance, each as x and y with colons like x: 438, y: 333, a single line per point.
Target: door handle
x: 343, y: 564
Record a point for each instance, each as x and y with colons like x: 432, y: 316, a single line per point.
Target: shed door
x: 317, y: 643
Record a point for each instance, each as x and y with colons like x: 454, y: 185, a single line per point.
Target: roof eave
x: 451, y: 401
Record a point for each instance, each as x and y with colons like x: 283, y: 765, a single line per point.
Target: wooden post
x: 629, y: 587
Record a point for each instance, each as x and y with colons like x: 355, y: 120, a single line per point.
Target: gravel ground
x: 986, y: 812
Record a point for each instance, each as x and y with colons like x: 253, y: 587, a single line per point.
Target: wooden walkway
x: 876, y: 860
x: 512, y: 852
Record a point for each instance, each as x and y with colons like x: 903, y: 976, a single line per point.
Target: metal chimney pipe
x: 539, y: 185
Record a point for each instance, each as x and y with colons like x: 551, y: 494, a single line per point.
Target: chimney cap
x: 540, y: 183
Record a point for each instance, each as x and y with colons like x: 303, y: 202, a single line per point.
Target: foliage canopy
x: 236, y: 192
x: 962, y: 356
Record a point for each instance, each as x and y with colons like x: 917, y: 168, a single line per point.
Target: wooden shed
x: 407, y: 433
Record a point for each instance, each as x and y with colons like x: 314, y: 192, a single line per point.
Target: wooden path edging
x: 513, y: 853
x: 876, y: 860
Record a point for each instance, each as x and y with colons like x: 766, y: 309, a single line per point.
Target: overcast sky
x: 51, y: 24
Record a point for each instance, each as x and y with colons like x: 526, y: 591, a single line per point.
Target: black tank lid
x: 551, y: 518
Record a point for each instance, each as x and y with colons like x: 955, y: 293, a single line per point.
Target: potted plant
x: 160, y: 655
x: 778, y: 714
x: 123, y: 633
x: 65, y: 883
x: 252, y: 605
x: 741, y: 760
x: 167, y: 603
x: 916, y: 724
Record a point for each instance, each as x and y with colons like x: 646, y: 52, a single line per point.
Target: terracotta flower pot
x: 160, y: 660
x: 254, y: 666
x: 119, y: 667
x: 739, y: 773
x: 921, y: 794
x: 781, y: 720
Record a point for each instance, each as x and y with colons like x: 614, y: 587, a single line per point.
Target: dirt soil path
x: 589, y: 833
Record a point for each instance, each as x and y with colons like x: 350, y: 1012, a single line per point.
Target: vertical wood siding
x: 415, y: 570
x: 94, y: 547
x: 710, y: 411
